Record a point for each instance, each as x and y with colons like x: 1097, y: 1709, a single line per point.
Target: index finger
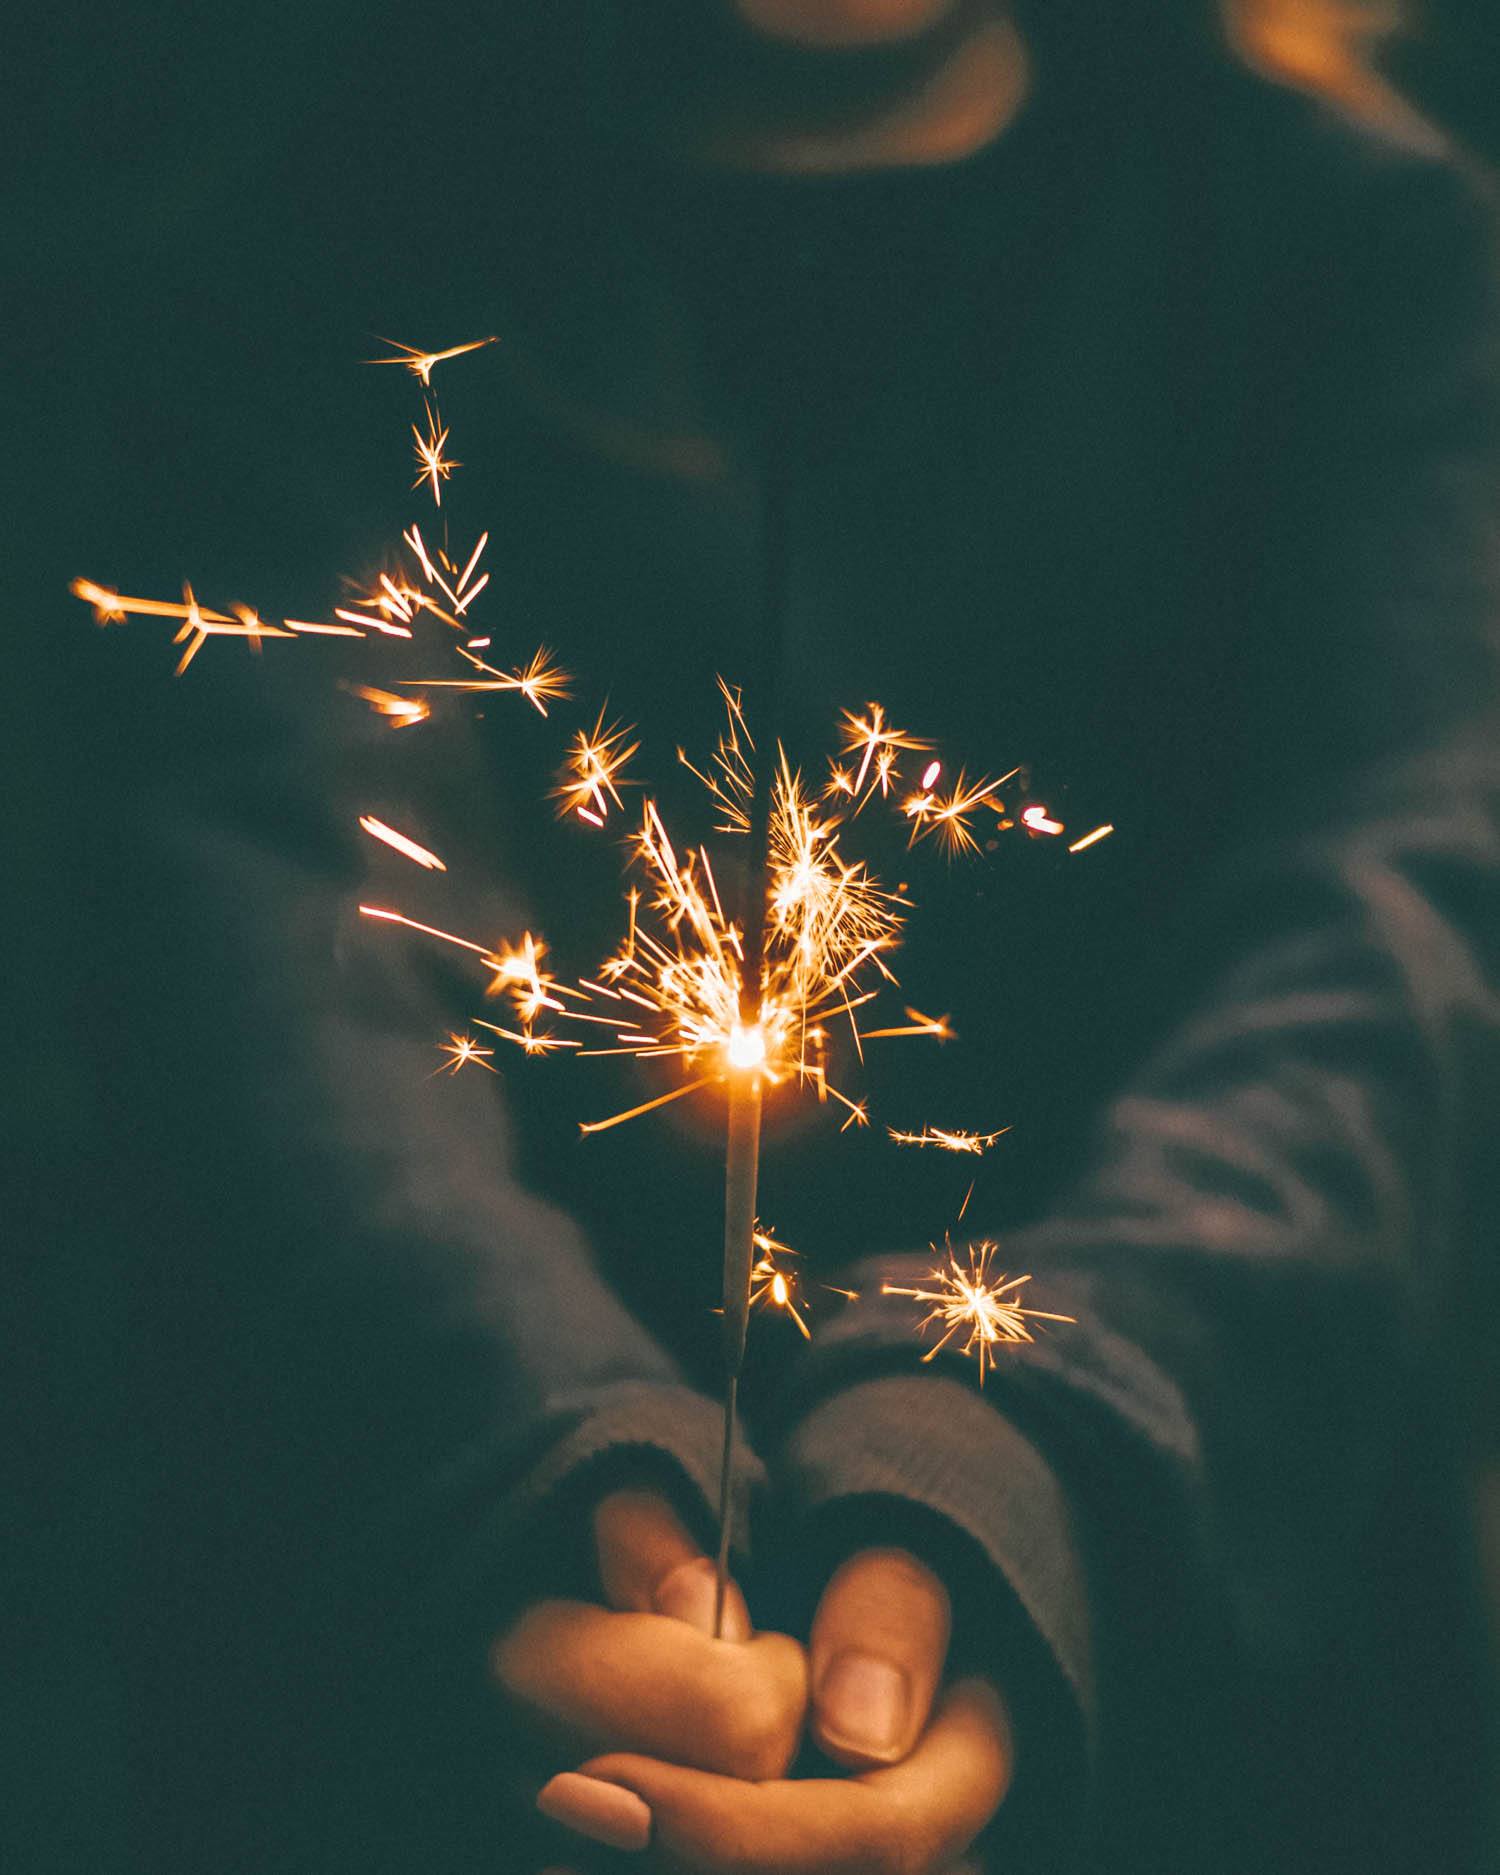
x: 907, y: 1819
x: 652, y: 1684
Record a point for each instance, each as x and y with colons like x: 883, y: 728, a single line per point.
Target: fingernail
x: 862, y: 1704
x: 688, y: 1593
x: 606, y: 1813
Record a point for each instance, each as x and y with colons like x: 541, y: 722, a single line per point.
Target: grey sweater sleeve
x: 401, y: 1356
x: 1179, y: 1488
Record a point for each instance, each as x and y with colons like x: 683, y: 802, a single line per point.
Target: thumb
x: 649, y: 1564
x: 879, y: 1643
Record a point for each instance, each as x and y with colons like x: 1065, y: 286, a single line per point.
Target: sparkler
x: 745, y: 999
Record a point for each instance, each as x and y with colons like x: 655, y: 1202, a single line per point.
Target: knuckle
x: 716, y: 1839
x: 523, y: 1660
x: 753, y: 1726
x: 513, y: 1653
x: 904, y: 1572
x: 762, y: 1745
x: 737, y: 1850
x: 904, y: 1846
x: 902, y: 1856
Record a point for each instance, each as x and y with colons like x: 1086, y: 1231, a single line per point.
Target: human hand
x: 925, y: 1786
x: 643, y: 1674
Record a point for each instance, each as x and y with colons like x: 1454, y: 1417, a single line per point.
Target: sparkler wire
x: 741, y: 1171
x: 742, y: 1144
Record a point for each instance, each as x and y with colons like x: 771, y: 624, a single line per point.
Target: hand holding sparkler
x: 918, y: 1817
x: 711, y: 1726
x: 642, y: 1672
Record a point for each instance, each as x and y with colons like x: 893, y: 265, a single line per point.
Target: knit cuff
x: 669, y: 1429
x: 930, y: 1440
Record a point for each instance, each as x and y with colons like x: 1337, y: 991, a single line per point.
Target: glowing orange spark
x: 432, y: 465
x: 1089, y: 839
x: 948, y: 817
x: 935, y: 1026
x: 872, y: 738
x: 199, y: 623
x: 420, y: 363
x: 402, y: 711
x: 467, y: 595
x: 326, y: 631
x: 428, y: 930
x: 948, y: 1139
x: 111, y: 608
x: 378, y: 830
x: 540, y: 681
x: 463, y: 1049
x: 518, y: 974
x: 529, y: 1043
x: 373, y: 624
x: 771, y: 1286
x: 198, y: 626
x: 595, y: 759
x: 964, y: 1299
x: 646, y: 1106
x: 1040, y: 821
x: 729, y: 778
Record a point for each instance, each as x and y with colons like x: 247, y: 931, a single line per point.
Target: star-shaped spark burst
x: 518, y: 974
x: 433, y: 466
x: 876, y: 743
x: 592, y: 774
x: 199, y: 626
x: 539, y: 680
x: 420, y: 363
x: 771, y: 1286
x: 461, y: 1051
x: 964, y: 1299
x: 946, y: 817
